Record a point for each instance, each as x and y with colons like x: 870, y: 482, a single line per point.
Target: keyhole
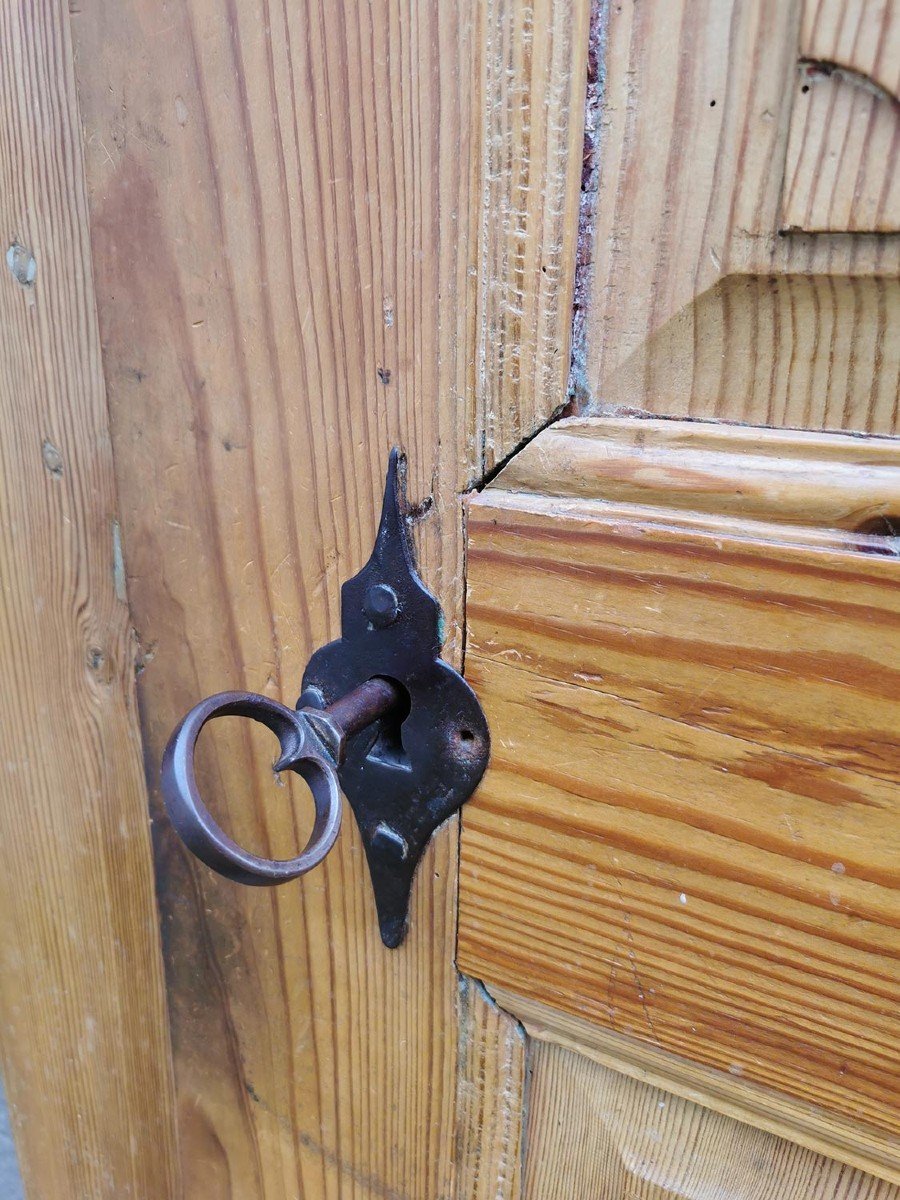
x: 387, y: 748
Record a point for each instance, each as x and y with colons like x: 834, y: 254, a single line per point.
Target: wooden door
x: 680, y: 874
x: 252, y: 246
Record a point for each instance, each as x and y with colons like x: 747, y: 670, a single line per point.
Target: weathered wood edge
x: 491, y: 1095
x: 534, y: 73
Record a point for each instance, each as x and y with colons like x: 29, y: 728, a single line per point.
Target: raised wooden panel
x: 800, y: 350
x: 842, y: 173
x: 790, y: 1120
x: 815, y: 482
x: 83, y: 1038
x: 843, y: 160
x: 689, y: 830
x: 298, y: 265
x: 595, y: 1133
x: 860, y: 35
x: 700, y: 305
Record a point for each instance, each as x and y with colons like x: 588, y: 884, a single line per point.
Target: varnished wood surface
x: 277, y: 207
x: 594, y: 1133
x: 688, y: 830
x: 820, y: 484
x: 699, y: 306
x: 298, y: 265
x: 83, y: 1036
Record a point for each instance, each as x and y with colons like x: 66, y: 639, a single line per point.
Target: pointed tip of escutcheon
x: 393, y: 931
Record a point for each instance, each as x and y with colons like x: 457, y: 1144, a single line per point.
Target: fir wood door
x: 680, y: 874
x: 252, y: 245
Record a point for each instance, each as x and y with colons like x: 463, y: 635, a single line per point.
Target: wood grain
x: 841, y: 174
x: 688, y: 831
x: 593, y: 1132
x: 699, y: 306
x: 820, y: 484
x: 276, y: 211
x: 790, y: 1120
x: 861, y: 35
x: 296, y: 267
x: 808, y: 351
x: 83, y: 1037
x: 533, y: 112
x: 490, y: 1100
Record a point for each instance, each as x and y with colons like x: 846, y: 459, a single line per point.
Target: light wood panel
x: 83, y: 1035
x: 698, y: 305
x: 688, y: 830
x: 749, y: 1104
x: 861, y: 35
x: 841, y: 169
x: 490, y: 1101
x: 810, y: 351
x: 595, y: 1133
x: 841, y: 174
x: 297, y: 266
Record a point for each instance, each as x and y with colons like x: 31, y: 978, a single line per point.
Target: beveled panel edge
x: 827, y: 481
x: 739, y: 1098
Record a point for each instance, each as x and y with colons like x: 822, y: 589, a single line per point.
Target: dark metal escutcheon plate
x: 403, y: 778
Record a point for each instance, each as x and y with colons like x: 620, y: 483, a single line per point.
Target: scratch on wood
x: 118, y: 562
x: 373, y: 1185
